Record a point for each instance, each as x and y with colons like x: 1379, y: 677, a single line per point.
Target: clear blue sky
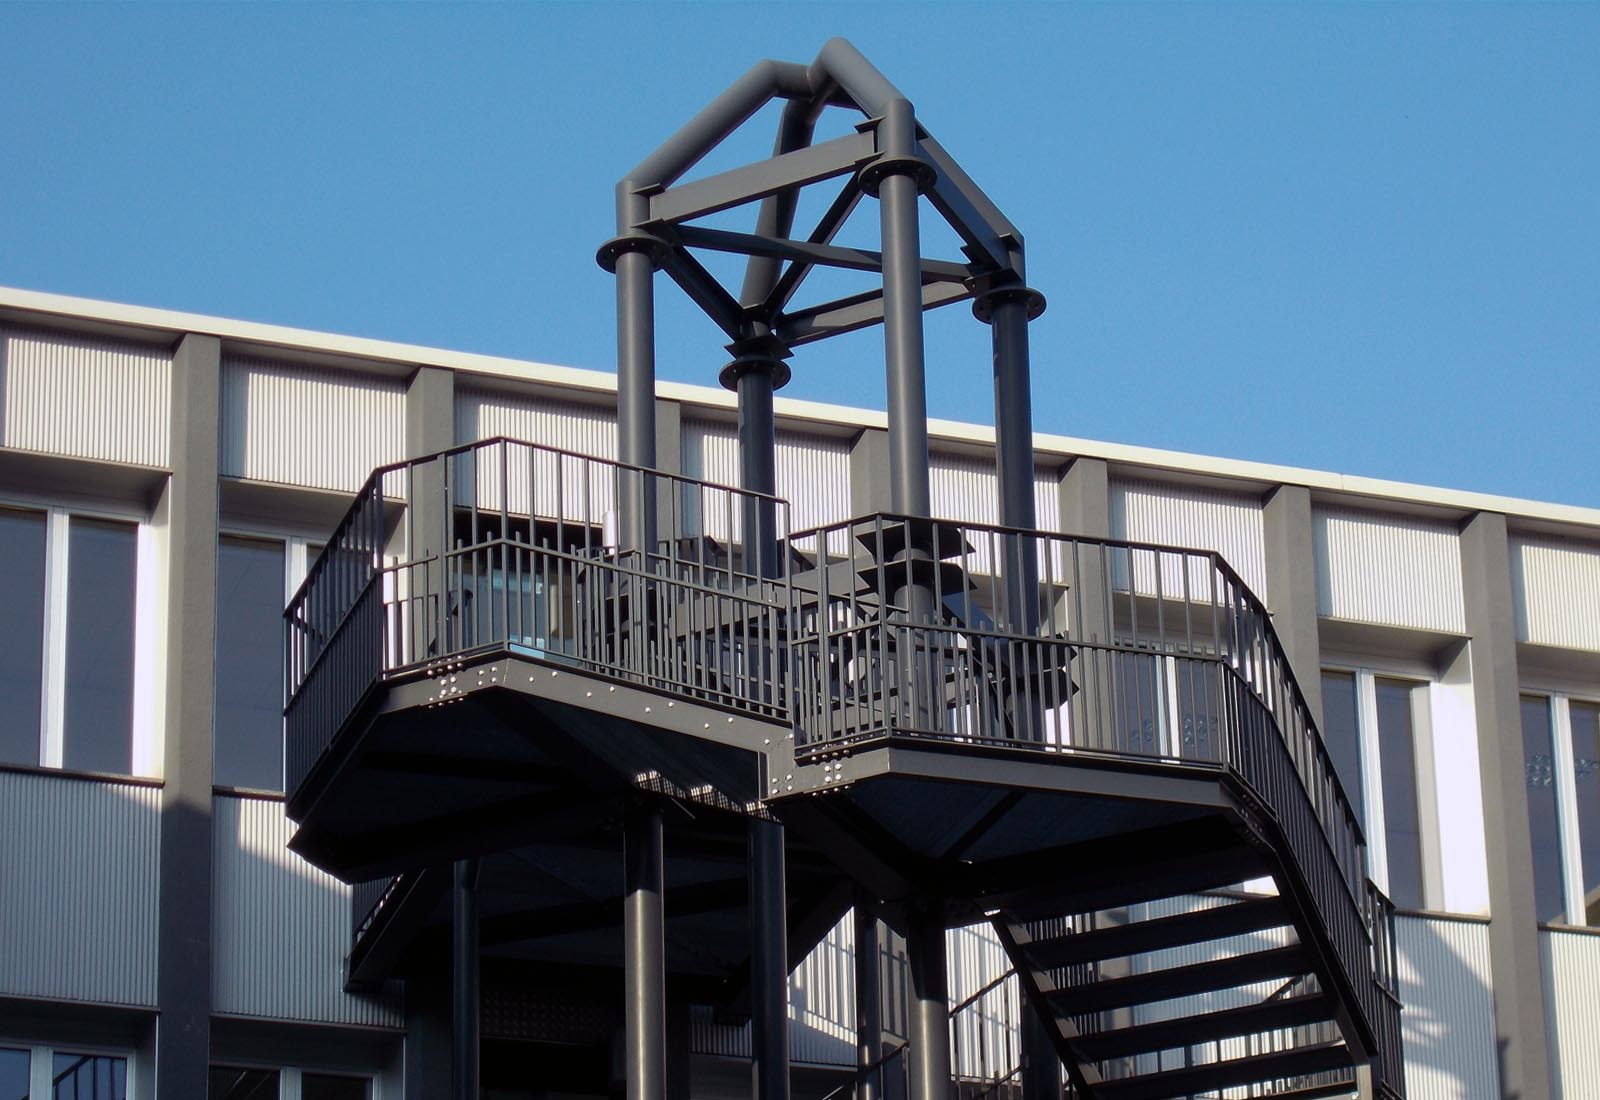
x: 1356, y: 237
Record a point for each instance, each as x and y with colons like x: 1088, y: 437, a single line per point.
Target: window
x: 249, y: 695
x: 15, y: 1067
x: 88, y: 1077
x: 1561, y: 744
x: 1539, y: 767
x: 1378, y: 734
x: 326, y: 1086
x: 231, y: 1083
x: 76, y: 590
x: 260, y: 1083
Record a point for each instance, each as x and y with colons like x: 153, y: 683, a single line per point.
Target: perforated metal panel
x: 85, y: 397
x: 280, y: 927
x: 78, y: 888
x: 1556, y: 586
x: 298, y: 425
x: 1392, y: 570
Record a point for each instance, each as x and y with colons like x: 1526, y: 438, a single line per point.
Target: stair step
x: 1121, y: 940
x: 1230, y: 1073
x: 1178, y: 981
x: 1206, y: 1027
x: 1141, y: 881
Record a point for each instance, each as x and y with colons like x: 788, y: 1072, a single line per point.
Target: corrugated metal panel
x: 1572, y: 1009
x: 968, y: 488
x: 1202, y: 519
x: 1385, y: 569
x: 584, y: 429
x: 814, y: 477
x: 280, y: 927
x: 1448, y: 1019
x: 84, y: 396
x: 985, y: 1035
x: 298, y: 425
x: 79, y: 865
x: 1556, y: 586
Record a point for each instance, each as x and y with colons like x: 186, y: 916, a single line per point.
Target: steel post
x: 755, y: 378
x: 644, y: 955
x: 869, y: 1004
x: 466, y: 991
x: 930, y: 1003
x: 769, y: 962
x: 636, y: 393
x: 1041, y: 1066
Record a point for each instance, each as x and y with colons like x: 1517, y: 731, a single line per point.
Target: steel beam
x: 971, y: 213
x: 811, y: 164
x: 466, y: 991
x: 856, y: 312
x: 769, y: 961
x: 827, y: 227
x: 644, y: 955
x: 810, y: 253
x: 704, y: 290
x: 930, y: 1003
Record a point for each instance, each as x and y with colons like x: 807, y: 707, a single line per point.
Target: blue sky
x: 1363, y: 238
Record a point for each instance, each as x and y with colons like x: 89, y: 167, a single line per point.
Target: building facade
x: 165, y: 479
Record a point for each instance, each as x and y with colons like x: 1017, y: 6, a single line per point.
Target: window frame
x: 1369, y: 746
x: 150, y: 562
x: 1558, y: 708
x: 41, y: 1072
x: 290, y: 1076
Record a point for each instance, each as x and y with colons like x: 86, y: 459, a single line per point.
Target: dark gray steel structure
x: 938, y: 722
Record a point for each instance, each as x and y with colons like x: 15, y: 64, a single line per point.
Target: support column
x: 467, y: 994
x: 644, y: 955
x: 189, y: 503
x: 1086, y: 498
x: 1292, y: 587
x: 869, y: 1002
x: 633, y: 256
x: 754, y: 377
x: 1041, y: 1065
x: 769, y: 962
x: 425, y: 534
x: 869, y: 457
x: 1519, y: 1017
x: 930, y: 1003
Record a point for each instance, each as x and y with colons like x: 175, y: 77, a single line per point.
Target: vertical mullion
x: 52, y: 714
x: 1372, y: 776
x: 1560, y: 717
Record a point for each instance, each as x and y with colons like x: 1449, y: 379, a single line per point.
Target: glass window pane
x: 22, y: 642
x: 232, y: 1083
x: 88, y: 1077
x: 14, y: 1072
x: 102, y: 560
x: 249, y: 716
x: 326, y: 1086
x: 1586, y: 765
x: 1397, y: 756
x: 1341, y: 732
x: 1539, y: 766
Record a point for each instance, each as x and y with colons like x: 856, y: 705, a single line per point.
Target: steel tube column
x: 769, y: 962
x: 644, y: 955
x: 754, y: 378
x: 466, y: 990
x: 869, y: 1004
x: 898, y: 187
x: 930, y: 1003
x: 636, y: 389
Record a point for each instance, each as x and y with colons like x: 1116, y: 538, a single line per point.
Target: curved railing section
x: 981, y: 634
x: 503, y: 546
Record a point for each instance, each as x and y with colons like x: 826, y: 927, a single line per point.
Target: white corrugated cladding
x: 966, y: 488
x: 280, y: 928
x: 1193, y: 517
x: 985, y: 1036
x: 812, y: 471
x: 1556, y: 585
x: 78, y: 873
x: 87, y: 397
x: 1572, y: 1010
x: 566, y: 425
x: 1392, y: 570
x: 306, y: 426
x: 1448, y: 1020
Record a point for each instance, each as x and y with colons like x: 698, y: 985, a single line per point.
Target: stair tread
x: 1231, y: 1072
x: 1177, y: 981
x: 1232, y: 1023
x: 1137, y: 883
x: 1139, y: 937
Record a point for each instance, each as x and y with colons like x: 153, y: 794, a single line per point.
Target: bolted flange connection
x: 982, y: 305
x: 742, y: 365
x: 874, y: 172
x: 635, y: 240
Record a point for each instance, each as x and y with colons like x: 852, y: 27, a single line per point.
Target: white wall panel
x: 1572, y: 1011
x: 1390, y: 570
x: 1448, y: 1019
x: 985, y: 1035
x: 78, y: 873
x: 966, y: 488
x: 280, y: 927
x: 1196, y: 518
x: 298, y: 425
x: 85, y: 397
x: 569, y: 426
x: 814, y: 477
x: 1556, y: 586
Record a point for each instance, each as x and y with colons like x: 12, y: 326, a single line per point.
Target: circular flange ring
x: 981, y: 305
